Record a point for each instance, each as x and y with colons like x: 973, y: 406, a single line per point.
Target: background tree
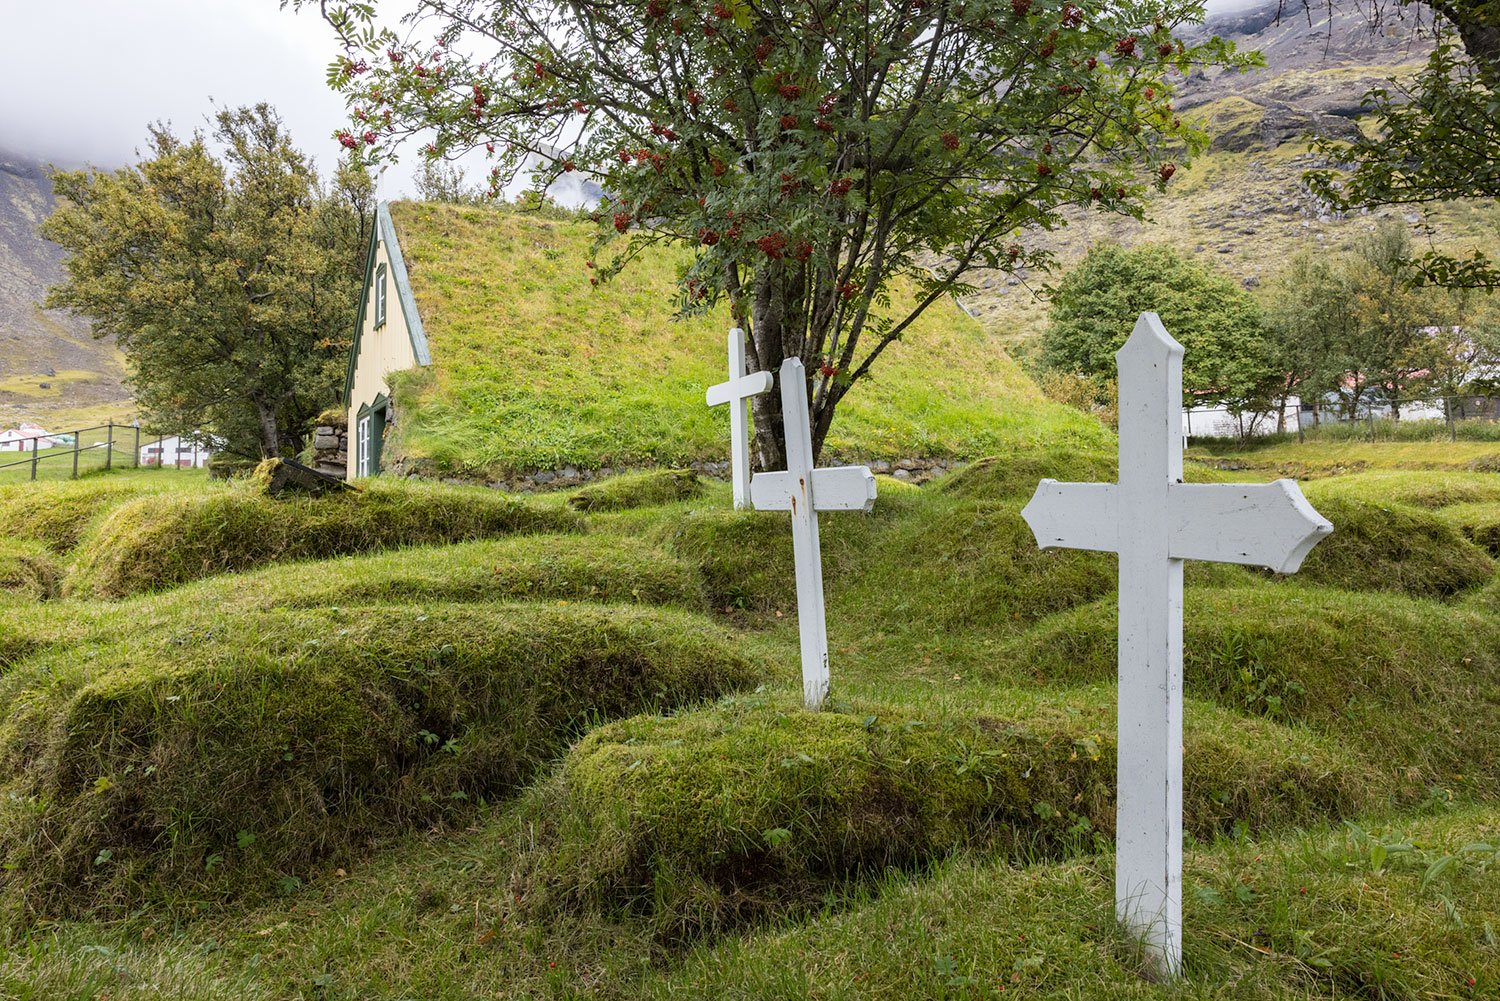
x: 230, y: 283
x: 441, y: 181
x: 1096, y: 304
x: 1393, y: 316
x: 1310, y: 329
x: 838, y: 166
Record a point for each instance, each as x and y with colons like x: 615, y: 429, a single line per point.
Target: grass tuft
x: 28, y: 571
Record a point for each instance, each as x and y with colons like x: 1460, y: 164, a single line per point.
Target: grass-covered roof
x: 535, y: 368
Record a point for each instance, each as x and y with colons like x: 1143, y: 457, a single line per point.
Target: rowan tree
x: 838, y: 165
x: 228, y: 281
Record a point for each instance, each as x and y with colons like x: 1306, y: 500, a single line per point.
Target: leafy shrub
x: 157, y: 542
x: 714, y: 817
x: 632, y: 490
x: 28, y: 571
x: 1393, y: 548
x: 207, y: 760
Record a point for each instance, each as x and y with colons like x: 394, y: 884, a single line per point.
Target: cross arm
x: 1074, y: 516
x: 837, y: 488
x: 1259, y: 524
x: 747, y: 385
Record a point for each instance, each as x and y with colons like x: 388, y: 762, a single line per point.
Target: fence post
x: 109, y: 447
x: 137, y: 446
x: 77, y: 436
x: 34, y: 443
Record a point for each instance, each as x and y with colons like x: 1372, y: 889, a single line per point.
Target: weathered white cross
x: 1155, y: 521
x: 805, y: 491
x: 737, y: 392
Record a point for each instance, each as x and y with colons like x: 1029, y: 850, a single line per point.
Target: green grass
x: 1317, y: 459
x: 628, y: 831
x: 155, y: 542
x: 59, y: 514
x: 533, y: 368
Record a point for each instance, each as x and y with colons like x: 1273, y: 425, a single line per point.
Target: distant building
x: 29, y: 436
x: 189, y: 452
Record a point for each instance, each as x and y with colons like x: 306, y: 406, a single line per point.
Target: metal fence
x: 67, y: 454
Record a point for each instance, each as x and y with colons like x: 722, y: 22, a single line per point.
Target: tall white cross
x: 737, y: 392
x: 1155, y: 521
x: 805, y: 491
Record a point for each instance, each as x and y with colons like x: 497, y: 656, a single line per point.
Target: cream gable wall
x: 382, y: 351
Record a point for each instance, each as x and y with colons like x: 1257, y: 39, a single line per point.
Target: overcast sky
x: 80, y: 79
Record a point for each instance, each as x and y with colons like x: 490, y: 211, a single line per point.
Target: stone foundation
x: 331, y: 445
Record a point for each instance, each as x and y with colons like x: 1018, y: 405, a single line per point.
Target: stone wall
x: 566, y: 477
x: 331, y: 444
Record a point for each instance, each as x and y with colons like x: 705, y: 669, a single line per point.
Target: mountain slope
x: 1243, y: 205
x: 52, y: 370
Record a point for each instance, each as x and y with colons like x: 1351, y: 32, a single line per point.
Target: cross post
x: 804, y: 491
x: 1154, y: 521
x: 737, y: 392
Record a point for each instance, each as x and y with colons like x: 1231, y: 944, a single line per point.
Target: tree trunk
x: 270, y: 436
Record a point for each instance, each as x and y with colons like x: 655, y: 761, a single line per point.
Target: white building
x: 184, y: 453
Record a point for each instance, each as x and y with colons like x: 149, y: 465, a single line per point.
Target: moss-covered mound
x: 711, y: 818
x: 632, y: 490
x: 1426, y: 488
x: 28, y: 570
x: 1014, y: 475
x: 157, y: 542
x: 190, y: 761
x: 1412, y: 684
x: 558, y: 568
x: 60, y: 513
x: 1393, y: 548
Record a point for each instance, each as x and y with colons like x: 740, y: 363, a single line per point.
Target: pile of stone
x: 331, y: 444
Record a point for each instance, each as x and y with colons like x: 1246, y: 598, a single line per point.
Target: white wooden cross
x: 805, y: 491
x: 1155, y: 521
x: 737, y: 392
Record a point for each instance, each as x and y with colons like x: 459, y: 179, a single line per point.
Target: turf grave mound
x: 154, y: 543
x: 557, y: 568
x: 206, y: 761
x: 633, y: 490
x: 1412, y: 684
x: 1378, y: 547
x: 28, y: 571
x: 1430, y: 489
x: 59, y: 514
x: 713, y: 818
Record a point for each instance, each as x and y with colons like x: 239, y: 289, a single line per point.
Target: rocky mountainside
x: 52, y: 370
x: 1243, y: 205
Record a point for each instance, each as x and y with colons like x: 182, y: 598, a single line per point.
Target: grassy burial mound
x: 156, y: 542
x: 1410, y: 685
x: 603, y: 569
x: 1392, y: 547
x: 709, y: 819
x: 206, y: 760
x: 633, y: 490
x: 60, y: 514
x: 534, y: 369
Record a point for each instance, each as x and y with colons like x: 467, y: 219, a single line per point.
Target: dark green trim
x: 378, y: 412
x: 385, y: 230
